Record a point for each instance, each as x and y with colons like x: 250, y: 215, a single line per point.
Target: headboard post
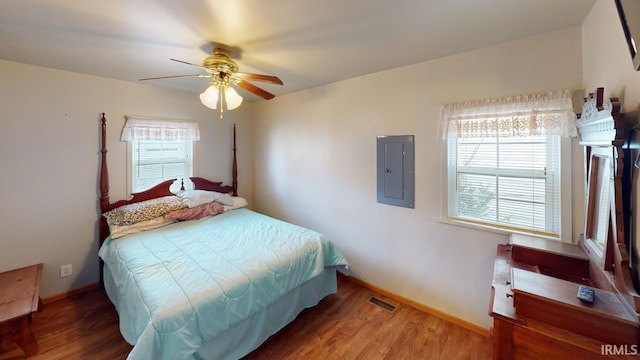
x: 104, y: 173
x: 234, y: 168
x: 104, y: 192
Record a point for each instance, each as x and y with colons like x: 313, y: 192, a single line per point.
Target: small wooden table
x: 19, y: 298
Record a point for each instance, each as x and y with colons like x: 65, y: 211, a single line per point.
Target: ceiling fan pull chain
x: 221, y: 96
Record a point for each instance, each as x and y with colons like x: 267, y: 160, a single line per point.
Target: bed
x: 214, y: 287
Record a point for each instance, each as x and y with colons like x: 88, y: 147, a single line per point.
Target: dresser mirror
x: 608, y: 239
x: 599, y: 201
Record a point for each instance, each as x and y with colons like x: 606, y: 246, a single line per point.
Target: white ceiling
x: 307, y: 43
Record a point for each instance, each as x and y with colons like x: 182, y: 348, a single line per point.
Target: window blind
x: 157, y: 161
x: 508, y: 182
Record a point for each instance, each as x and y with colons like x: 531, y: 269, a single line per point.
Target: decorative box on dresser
x: 534, y: 305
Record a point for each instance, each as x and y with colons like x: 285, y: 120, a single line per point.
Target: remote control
x: 586, y: 294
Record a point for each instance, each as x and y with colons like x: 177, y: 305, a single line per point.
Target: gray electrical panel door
x: 395, y: 163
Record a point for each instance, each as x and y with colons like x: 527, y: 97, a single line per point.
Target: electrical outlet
x: 66, y: 270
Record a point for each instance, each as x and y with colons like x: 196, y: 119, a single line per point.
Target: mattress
x: 180, y: 288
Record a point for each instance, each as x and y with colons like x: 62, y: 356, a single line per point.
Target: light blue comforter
x: 184, y: 283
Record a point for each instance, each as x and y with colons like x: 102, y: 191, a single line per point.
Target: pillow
x: 238, y: 202
x: 196, y: 212
x: 144, y: 210
x: 193, y: 198
x: 225, y: 199
x: 122, y: 230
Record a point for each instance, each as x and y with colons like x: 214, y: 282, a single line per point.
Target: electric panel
x: 395, y: 170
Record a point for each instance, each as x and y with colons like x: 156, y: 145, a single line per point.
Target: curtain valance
x: 136, y: 128
x: 550, y: 113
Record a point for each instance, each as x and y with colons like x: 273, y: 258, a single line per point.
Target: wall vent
x: 383, y: 304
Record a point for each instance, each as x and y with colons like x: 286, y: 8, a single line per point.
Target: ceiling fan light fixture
x: 232, y: 98
x: 223, y: 72
x: 209, y: 97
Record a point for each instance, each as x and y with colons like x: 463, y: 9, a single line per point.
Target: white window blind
x: 157, y: 161
x: 511, y: 183
x: 160, y: 150
x: 504, y: 161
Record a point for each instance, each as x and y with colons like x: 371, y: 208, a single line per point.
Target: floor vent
x: 383, y: 304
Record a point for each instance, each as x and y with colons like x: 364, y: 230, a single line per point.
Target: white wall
x: 49, y: 161
x: 315, y: 165
x: 607, y: 63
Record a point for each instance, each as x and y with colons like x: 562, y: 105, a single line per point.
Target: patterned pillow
x: 196, y: 212
x: 144, y: 210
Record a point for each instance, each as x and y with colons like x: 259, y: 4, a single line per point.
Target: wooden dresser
x: 537, y: 314
x: 534, y: 303
x: 19, y: 298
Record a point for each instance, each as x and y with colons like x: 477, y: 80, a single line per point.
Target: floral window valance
x: 159, y: 129
x: 550, y: 113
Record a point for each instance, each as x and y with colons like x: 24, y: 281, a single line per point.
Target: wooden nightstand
x: 19, y: 298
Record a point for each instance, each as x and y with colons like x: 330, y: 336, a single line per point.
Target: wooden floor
x: 342, y: 326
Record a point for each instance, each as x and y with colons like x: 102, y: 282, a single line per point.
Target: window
x: 160, y: 150
x: 512, y: 182
x: 504, y: 162
x: 154, y: 161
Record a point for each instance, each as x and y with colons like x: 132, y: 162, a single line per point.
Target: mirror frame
x: 599, y: 213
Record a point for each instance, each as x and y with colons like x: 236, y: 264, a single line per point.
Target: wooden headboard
x: 159, y: 190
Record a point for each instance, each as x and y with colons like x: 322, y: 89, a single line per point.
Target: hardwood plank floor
x: 342, y: 326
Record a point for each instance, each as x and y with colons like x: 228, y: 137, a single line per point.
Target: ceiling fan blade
x: 260, y: 77
x: 254, y: 89
x: 188, y: 63
x: 175, y: 76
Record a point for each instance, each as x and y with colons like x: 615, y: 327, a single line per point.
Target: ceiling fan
x: 223, y: 72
